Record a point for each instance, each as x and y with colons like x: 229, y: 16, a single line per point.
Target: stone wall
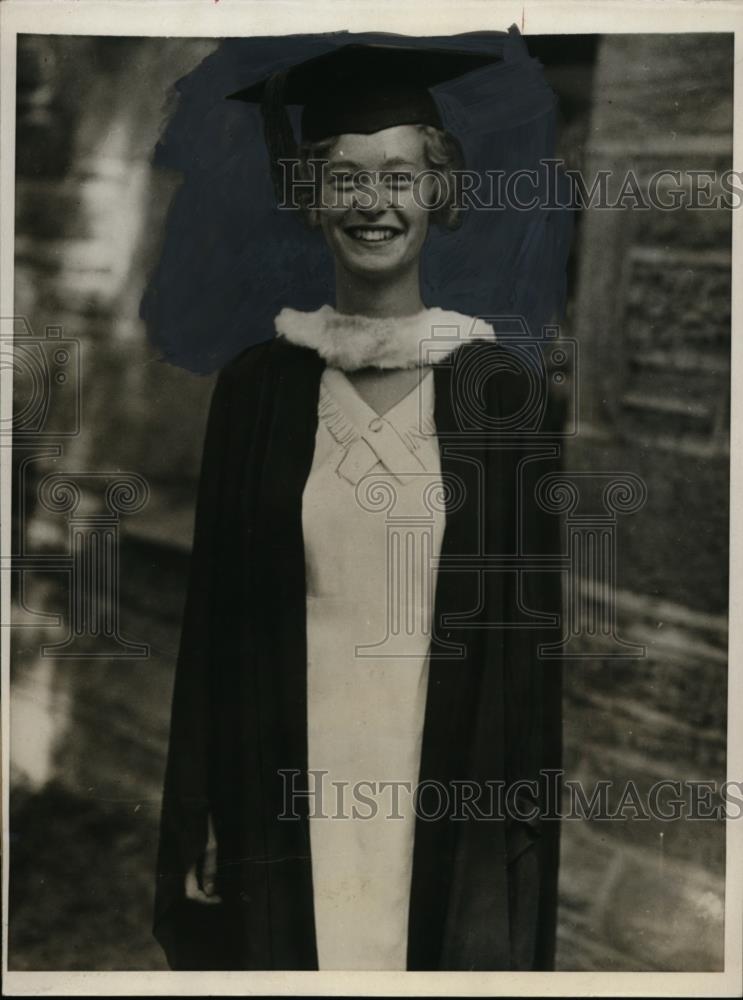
x: 652, y: 320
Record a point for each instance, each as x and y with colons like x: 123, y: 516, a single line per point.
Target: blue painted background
x: 231, y: 260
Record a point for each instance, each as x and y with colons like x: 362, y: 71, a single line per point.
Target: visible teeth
x: 372, y: 235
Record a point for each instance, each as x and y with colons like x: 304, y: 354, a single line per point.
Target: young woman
x: 360, y: 714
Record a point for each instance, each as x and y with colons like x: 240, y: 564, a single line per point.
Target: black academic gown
x: 483, y: 893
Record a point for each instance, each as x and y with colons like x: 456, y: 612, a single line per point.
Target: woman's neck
x: 357, y: 296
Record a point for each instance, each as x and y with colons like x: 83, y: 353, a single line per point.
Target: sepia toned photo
x: 368, y: 415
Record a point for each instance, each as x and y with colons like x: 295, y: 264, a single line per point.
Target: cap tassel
x: 277, y: 129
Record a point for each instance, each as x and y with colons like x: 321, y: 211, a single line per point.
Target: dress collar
x: 399, y: 438
x: 352, y: 342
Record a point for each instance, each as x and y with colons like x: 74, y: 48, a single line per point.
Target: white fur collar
x: 352, y: 342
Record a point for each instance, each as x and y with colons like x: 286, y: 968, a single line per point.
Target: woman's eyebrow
x: 391, y: 164
x: 397, y: 161
x: 344, y: 165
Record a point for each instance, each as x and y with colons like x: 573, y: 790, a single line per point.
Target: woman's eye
x: 342, y: 180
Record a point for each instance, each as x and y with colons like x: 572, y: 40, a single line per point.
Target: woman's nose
x: 373, y: 198
x: 362, y: 207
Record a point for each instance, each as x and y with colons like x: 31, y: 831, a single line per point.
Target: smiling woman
x: 373, y: 228
x: 374, y: 211
x: 375, y: 208
x: 322, y: 646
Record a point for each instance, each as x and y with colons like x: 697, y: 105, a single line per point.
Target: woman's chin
x: 381, y: 271
x: 382, y: 263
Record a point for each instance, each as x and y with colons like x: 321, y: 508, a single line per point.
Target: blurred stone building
x: 88, y: 735
x: 651, y: 315
x: 650, y: 312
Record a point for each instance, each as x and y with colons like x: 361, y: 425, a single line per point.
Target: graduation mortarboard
x: 357, y: 88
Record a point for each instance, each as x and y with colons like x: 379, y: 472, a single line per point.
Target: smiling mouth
x: 372, y: 234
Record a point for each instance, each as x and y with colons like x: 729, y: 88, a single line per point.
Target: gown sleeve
x: 535, y: 714
x: 185, y: 808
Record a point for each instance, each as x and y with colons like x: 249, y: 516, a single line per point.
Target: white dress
x: 373, y: 521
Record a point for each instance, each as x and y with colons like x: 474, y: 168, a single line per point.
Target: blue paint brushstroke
x: 231, y: 260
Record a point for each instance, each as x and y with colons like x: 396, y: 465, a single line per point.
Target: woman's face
x: 374, y: 216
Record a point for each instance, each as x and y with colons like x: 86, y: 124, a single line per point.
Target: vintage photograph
x: 369, y: 482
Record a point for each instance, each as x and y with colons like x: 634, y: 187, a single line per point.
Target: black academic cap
x: 357, y: 88
x: 366, y: 88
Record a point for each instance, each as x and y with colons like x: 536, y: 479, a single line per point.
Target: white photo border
x: 225, y: 18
